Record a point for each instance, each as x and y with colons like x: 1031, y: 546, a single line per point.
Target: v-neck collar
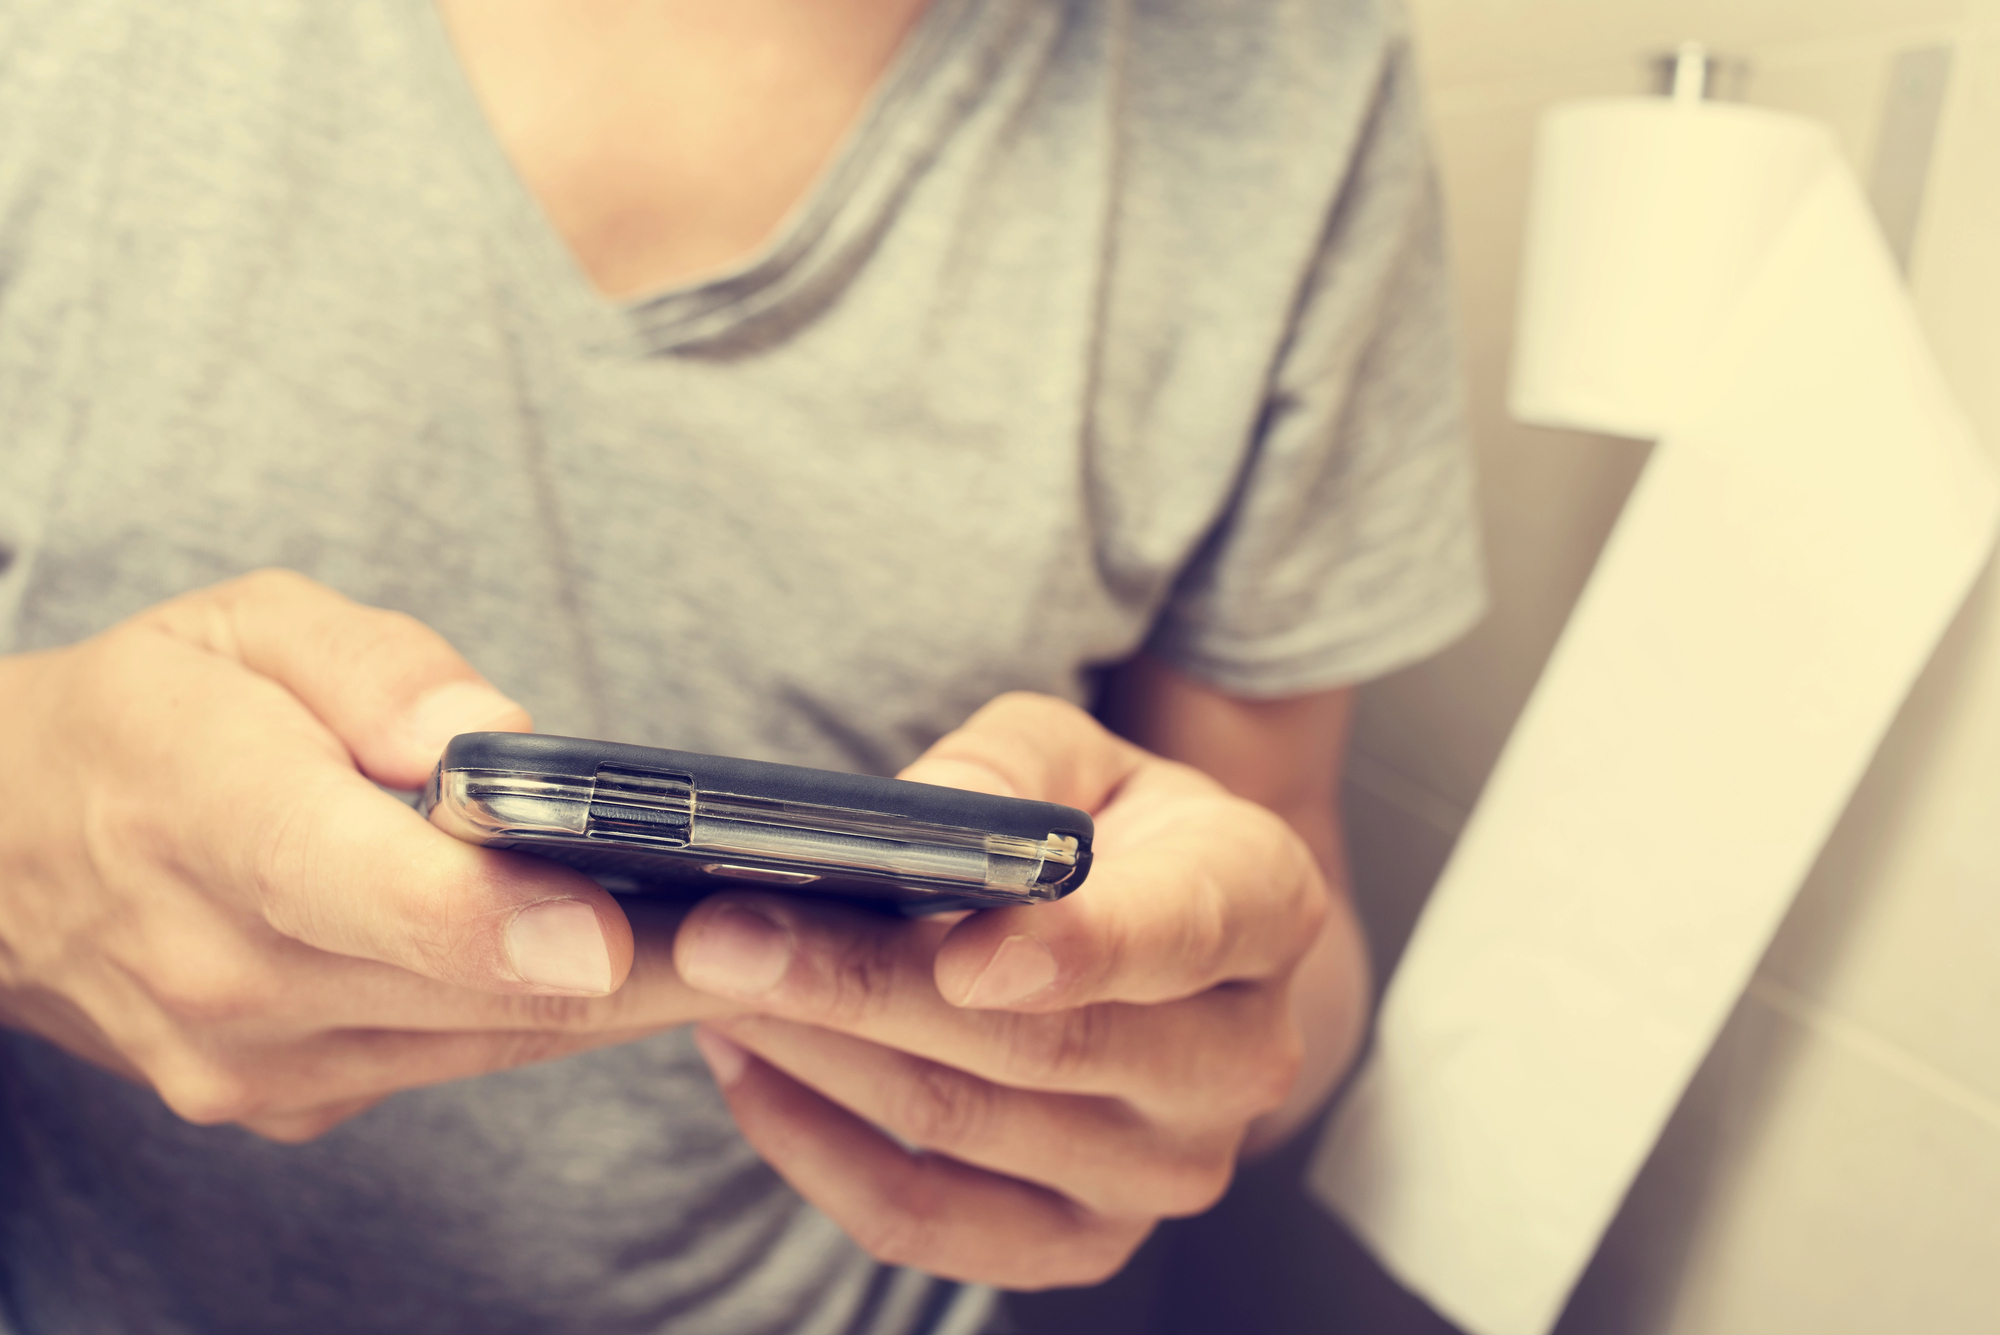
x: 942, y: 65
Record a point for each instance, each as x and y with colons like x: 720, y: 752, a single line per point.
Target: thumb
x: 1033, y: 746
x: 390, y: 688
x: 349, y: 869
x: 324, y: 856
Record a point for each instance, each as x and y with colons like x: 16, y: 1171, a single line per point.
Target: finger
x: 390, y: 688
x: 1190, y: 888
x: 218, y: 1033
x: 1032, y: 746
x: 325, y: 857
x: 1232, y: 1052
x: 920, y: 1210
x: 254, y: 804
x: 1096, y: 1151
x: 344, y: 867
x: 289, y: 1087
x: 288, y: 985
x: 652, y: 996
x: 298, y: 1128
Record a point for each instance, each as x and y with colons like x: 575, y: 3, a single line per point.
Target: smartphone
x: 641, y: 820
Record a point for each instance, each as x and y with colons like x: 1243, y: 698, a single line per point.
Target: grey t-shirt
x: 1112, y: 326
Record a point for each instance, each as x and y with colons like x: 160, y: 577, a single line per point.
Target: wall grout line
x: 1874, y: 1049
x: 1381, y: 780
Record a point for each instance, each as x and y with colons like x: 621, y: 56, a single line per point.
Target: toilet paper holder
x: 1693, y: 73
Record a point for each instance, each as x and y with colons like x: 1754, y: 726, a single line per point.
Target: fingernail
x: 725, y: 1060
x: 461, y: 706
x: 558, y: 944
x: 1021, y: 967
x: 736, y: 952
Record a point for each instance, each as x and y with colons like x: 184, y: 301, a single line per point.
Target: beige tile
x: 1863, y: 1204
x: 1633, y: 1281
x: 1803, y: 1187
x: 1898, y: 928
x: 1549, y: 499
x: 1841, y: 88
x: 1395, y: 853
x: 1956, y: 265
x: 1477, y: 41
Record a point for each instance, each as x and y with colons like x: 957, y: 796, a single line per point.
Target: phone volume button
x: 636, y: 823
x: 641, y: 806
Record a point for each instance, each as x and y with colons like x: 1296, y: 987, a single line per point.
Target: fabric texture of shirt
x: 1111, y: 326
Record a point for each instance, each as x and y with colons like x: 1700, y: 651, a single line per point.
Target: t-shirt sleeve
x: 1350, y: 547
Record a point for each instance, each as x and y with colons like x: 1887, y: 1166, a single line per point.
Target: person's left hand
x: 1059, y: 1077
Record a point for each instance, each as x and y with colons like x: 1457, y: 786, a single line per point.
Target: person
x: 852, y: 383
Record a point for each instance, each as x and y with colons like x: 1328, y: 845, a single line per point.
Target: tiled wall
x: 1836, y: 1166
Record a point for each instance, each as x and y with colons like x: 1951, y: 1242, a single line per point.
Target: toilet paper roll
x: 1647, y: 222
x: 1811, y: 519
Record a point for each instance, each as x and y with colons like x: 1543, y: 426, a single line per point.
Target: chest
x: 817, y: 510
x: 669, y: 140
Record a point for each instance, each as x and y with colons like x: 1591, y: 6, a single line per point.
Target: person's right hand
x: 201, y: 889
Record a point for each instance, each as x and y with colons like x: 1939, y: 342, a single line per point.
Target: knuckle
x: 359, y: 634
x: 945, y: 1108
x: 1060, y: 1049
x: 861, y: 977
x: 1312, y: 901
x: 441, y: 922
x: 272, y: 581
x: 119, y: 840
x: 1194, y: 1182
x: 894, y: 1240
x: 299, y: 851
x: 203, y: 989
x: 1206, y: 929
x: 527, y: 1048
x: 561, y: 1014
x: 295, y: 1130
x: 1033, y: 707
x: 280, y: 860
x: 1115, y: 1250
x: 378, y: 634
x: 108, y: 666
x: 905, y: 1231
x: 1094, y: 1266
x: 1260, y: 1048
x: 1094, y: 1255
x: 1015, y: 702
x: 1270, y: 1078
x: 207, y: 1093
x: 216, y: 614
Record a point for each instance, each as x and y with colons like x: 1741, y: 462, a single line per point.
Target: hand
x: 1067, y: 1074
x: 201, y: 889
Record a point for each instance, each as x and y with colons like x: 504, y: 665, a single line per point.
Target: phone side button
x: 731, y: 872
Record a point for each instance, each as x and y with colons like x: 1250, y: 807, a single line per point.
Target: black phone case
x: 643, y: 819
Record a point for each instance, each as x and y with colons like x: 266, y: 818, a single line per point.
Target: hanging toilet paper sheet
x: 1813, y: 515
